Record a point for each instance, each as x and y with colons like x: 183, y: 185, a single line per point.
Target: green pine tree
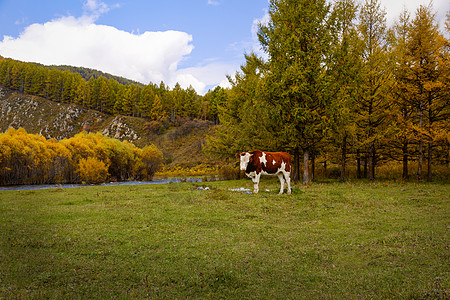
x: 297, y: 40
x: 372, y: 105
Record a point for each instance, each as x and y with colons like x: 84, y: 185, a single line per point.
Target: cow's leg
x: 287, y: 178
x: 255, y: 183
x: 281, y: 177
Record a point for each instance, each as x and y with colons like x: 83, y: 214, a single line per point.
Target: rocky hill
x: 181, y: 143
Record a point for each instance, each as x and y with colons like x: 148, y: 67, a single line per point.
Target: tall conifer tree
x: 372, y: 102
x: 344, y: 66
x: 297, y: 41
x: 428, y: 77
x: 402, y: 110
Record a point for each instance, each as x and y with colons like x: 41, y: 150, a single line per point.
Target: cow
x: 255, y: 163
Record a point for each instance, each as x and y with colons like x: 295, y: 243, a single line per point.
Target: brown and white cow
x: 255, y: 163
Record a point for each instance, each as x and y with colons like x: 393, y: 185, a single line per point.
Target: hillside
x: 87, y: 73
x: 180, y: 143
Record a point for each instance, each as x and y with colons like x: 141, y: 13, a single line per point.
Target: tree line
x: 338, y: 86
x: 108, y: 94
x: 87, y: 157
x: 87, y: 73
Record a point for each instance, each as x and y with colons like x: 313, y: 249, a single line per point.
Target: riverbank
x: 63, y: 186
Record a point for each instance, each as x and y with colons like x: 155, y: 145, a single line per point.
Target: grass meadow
x: 382, y: 240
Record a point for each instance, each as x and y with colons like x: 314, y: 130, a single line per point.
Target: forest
x: 87, y: 157
x: 340, y: 87
x: 335, y: 86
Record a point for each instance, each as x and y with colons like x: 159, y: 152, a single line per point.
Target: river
x: 53, y: 186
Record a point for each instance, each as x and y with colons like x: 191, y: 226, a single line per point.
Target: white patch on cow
x: 263, y: 159
x: 266, y: 173
x: 283, y: 167
x: 245, y: 160
x: 274, y: 162
x: 251, y: 174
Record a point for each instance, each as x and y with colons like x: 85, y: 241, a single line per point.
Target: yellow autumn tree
x: 92, y: 170
x: 148, y: 161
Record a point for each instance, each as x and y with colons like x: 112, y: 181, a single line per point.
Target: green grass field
x: 325, y: 241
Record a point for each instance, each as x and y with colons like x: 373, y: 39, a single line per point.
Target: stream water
x: 53, y: 186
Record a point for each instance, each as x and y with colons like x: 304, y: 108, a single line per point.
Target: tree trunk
x: 405, y: 161
x: 374, y: 161
x: 305, y: 167
x: 296, y: 169
x: 366, y: 158
x: 430, y: 147
x: 358, y: 164
x: 371, y: 155
x: 313, y: 166
x: 343, y: 158
x: 447, y: 154
x: 419, y: 166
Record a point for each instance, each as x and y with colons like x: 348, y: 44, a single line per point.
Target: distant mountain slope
x: 87, y: 73
x: 95, y: 91
x: 181, y: 144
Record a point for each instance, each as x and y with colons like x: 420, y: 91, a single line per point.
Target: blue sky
x: 193, y: 42
x: 199, y: 42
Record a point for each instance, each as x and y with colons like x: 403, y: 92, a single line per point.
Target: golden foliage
x: 89, y: 157
x: 92, y: 170
x: 198, y: 170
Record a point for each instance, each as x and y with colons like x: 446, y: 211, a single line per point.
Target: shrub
x: 155, y: 127
x: 187, y: 126
x: 229, y: 173
x: 150, y: 161
x: 92, y: 170
x: 179, y: 171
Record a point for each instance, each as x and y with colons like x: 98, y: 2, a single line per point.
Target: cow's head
x: 245, y: 158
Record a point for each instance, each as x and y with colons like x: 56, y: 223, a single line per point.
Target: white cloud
x: 394, y: 8
x: 225, y: 84
x: 151, y: 56
x: 213, y: 2
x: 208, y: 76
x: 95, y: 7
